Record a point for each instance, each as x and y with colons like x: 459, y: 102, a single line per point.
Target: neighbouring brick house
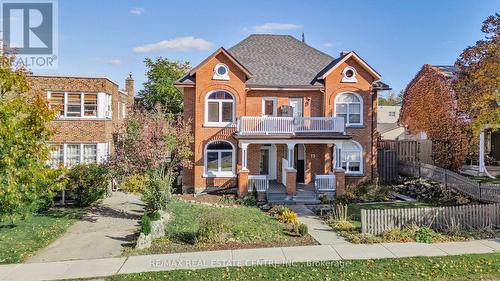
x: 90, y: 109
x: 269, y: 113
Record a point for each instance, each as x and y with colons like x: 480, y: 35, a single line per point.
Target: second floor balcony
x: 270, y: 125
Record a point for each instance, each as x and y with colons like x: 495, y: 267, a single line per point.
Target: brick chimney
x: 129, y: 88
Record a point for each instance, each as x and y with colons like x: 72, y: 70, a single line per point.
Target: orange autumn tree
x: 429, y: 105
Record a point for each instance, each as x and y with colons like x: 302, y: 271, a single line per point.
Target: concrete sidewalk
x: 245, y: 257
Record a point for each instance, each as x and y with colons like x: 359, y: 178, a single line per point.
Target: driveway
x: 100, y: 234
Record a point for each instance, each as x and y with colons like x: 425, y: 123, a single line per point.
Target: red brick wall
x: 78, y: 130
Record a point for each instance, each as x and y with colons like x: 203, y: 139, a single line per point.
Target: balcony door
x: 298, y: 106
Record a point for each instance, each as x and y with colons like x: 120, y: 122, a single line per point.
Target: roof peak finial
x: 303, y: 38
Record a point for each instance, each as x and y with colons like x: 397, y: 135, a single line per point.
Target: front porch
x: 291, y: 172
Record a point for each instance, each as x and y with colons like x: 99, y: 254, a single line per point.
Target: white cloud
x: 331, y: 45
x: 270, y: 27
x: 110, y: 61
x: 137, y: 11
x: 182, y: 44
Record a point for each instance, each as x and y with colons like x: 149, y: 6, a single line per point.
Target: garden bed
x: 241, y: 227
x: 26, y: 237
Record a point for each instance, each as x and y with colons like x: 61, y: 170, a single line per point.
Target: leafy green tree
x: 25, y: 179
x: 159, y: 89
x: 392, y: 99
x: 478, y: 82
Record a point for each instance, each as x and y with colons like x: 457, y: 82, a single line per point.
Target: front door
x: 300, y: 162
x: 268, y: 161
x: 297, y: 105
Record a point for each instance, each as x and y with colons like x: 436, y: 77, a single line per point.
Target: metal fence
x: 474, y: 189
x: 440, y: 218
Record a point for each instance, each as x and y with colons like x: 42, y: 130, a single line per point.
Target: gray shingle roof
x: 280, y: 60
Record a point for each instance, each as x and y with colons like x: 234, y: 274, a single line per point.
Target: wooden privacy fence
x: 409, y: 150
x: 439, y: 218
x: 479, y: 191
x: 387, y: 166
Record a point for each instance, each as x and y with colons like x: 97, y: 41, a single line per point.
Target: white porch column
x: 338, y: 156
x: 244, y: 156
x: 481, y: 153
x: 291, y: 147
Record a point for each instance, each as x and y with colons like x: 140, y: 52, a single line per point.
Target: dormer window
x: 221, y: 72
x: 349, y: 75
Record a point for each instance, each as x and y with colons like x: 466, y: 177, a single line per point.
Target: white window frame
x: 81, y: 154
x: 361, y: 109
x: 82, y: 105
x: 58, y: 146
x: 83, y: 145
x: 352, y: 79
x: 361, y: 159
x: 219, y: 173
x: 218, y: 76
x: 275, y: 105
x: 220, y: 102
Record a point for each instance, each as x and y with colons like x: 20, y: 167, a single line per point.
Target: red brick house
x: 90, y: 108
x: 275, y: 114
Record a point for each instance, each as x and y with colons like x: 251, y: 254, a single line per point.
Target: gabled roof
x: 280, y: 60
x: 218, y: 51
x: 357, y: 58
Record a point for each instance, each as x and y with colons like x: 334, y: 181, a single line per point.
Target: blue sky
x: 112, y: 38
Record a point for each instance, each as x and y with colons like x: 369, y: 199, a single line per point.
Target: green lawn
x: 466, y: 267
x: 34, y: 233
x: 246, y: 227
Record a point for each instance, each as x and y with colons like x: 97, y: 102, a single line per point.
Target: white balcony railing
x: 260, y: 183
x: 251, y: 125
x: 324, y: 183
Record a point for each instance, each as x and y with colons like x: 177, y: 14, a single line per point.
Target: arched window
x: 219, y: 159
x: 352, y: 158
x: 219, y: 108
x: 349, y: 106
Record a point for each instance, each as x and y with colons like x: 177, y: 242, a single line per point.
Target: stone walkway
x: 321, y: 232
x: 100, y: 234
x: 245, y: 257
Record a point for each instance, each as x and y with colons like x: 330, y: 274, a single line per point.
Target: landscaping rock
x: 144, y: 241
x: 158, y: 226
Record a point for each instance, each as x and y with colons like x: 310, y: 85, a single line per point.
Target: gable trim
x: 358, y: 59
x: 227, y: 54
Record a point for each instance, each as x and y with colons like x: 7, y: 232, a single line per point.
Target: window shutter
x: 101, y: 105
x: 102, y: 152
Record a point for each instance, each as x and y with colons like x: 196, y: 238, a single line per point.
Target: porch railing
x: 324, y: 183
x: 260, y: 183
x: 252, y: 125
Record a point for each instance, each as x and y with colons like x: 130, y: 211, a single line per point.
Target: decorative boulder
x: 158, y: 226
x: 144, y: 241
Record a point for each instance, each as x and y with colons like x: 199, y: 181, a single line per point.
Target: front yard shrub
x: 87, y: 183
x: 248, y: 200
x: 367, y: 192
x: 155, y: 216
x: 302, y: 229
x: 277, y: 210
x: 157, y: 191
x: 424, y: 235
x: 145, y: 224
x: 289, y: 216
x: 212, y: 228
x: 397, y: 235
x: 134, y: 183
x: 342, y: 225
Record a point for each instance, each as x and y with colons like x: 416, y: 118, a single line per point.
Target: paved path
x: 100, y: 234
x: 321, y: 232
x: 246, y: 257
